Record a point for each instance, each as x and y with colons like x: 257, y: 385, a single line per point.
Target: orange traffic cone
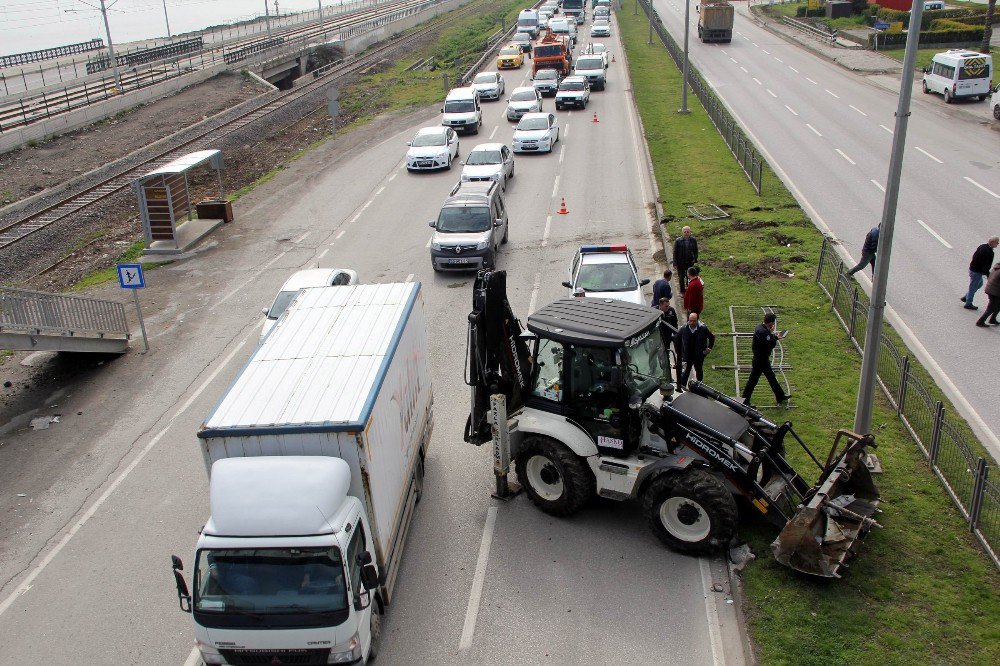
x: 595, y: 117
x: 562, y: 209
x: 613, y: 58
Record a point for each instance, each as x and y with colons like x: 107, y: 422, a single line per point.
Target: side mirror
x: 927, y: 70
x: 643, y: 282
x: 431, y: 223
x: 409, y: 143
x: 263, y: 311
x: 497, y: 223
x: 442, y: 109
x: 183, y: 596
x: 369, y: 574
x: 567, y: 284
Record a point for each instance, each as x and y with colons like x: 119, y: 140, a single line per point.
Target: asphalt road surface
x: 114, y: 491
x: 828, y: 133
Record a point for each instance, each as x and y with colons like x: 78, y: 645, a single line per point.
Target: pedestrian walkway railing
x: 811, y: 30
x: 940, y: 436
x: 742, y: 148
x: 37, y: 312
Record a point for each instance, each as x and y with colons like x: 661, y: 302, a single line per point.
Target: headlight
x: 353, y: 653
x: 495, y: 176
x: 465, y: 177
x: 482, y: 245
x: 209, y: 654
x: 436, y: 246
x: 534, y: 108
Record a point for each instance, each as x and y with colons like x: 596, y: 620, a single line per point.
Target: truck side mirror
x: 369, y: 574
x: 566, y: 283
x: 183, y: 596
x: 497, y: 223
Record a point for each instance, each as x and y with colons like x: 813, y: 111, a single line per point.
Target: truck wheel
x: 375, y: 627
x: 692, y: 512
x: 557, y: 480
x: 927, y: 90
x: 996, y: 111
x: 418, y: 480
x: 947, y: 97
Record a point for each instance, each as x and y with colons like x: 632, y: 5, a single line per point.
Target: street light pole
x: 267, y: 19
x: 687, y: 26
x: 111, y: 47
x: 876, y: 310
x: 167, y: 19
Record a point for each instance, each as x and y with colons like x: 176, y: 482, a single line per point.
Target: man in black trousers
x: 685, y: 256
x: 764, y: 340
x: 695, y: 343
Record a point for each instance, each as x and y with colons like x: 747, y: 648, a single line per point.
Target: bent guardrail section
x: 36, y: 320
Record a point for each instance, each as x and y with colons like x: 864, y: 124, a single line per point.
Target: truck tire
x: 691, y: 512
x: 375, y: 626
x: 557, y: 480
x: 947, y: 96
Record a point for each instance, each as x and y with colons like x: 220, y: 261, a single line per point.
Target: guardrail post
x: 977, y: 494
x: 904, y: 374
x: 836, y: 285
x: 936, y: 433
x: 822, y: 258
x: 854, y: 313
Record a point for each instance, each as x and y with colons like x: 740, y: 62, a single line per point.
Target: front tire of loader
x: 691, y: 512
x: 557, y: 480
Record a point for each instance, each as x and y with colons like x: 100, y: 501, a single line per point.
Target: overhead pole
x: 876, y: 310
x: 687, y: 27
x: 167, y: 19
x: 111, y: 46
x: 267, y: 18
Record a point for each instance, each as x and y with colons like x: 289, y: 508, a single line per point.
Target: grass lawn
x: 922, y: 592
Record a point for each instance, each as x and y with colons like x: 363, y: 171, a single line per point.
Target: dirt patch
x: 32, y: 169
x: 748, y: 225
x: 782, y: 239
x: 767, y: 268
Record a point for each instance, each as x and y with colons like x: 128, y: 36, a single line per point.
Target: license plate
x: 458, y: 261
x: 424, y: 164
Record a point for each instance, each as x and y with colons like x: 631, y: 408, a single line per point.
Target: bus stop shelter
x: 169, y: 223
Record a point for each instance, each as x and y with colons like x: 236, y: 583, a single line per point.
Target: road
x: 828, y: 132
x: 113, y: 491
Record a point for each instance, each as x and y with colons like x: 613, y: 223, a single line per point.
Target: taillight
x: 954, y: 88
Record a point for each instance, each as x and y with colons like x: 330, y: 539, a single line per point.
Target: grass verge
x: 130, y: 255
x: 922, y: 592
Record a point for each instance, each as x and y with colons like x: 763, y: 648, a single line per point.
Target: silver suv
x: 470, y: 228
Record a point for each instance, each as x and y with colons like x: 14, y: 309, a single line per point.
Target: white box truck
x: 315, y: 455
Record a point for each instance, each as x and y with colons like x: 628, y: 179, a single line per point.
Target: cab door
x: 596, y: 397
x: 361, y: 600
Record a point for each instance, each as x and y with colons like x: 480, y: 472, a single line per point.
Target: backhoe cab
x: 591, y: 410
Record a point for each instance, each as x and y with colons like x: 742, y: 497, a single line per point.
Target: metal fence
x: 743, y: 149
x: 36, y: 311
x: 143, y: 56
x: 49, y: 54
x: 964, y: 475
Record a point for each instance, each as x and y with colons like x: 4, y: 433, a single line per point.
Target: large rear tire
x: 557, y: 480
x: 691, y: 512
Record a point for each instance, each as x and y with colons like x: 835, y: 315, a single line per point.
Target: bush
x: 806, y: 12
x: 966, y: 34
x: 929, y: 16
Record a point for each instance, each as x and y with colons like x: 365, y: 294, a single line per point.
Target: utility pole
x: 267, y: 18
x: 167, y: 19
x: 876, y: 311
x: 111, y: 46
x: 687, y: 27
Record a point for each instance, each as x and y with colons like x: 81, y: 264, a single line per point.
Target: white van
x: 995, y: 102
x: 461, y: 111
x: 959, y: 73
x: 527, y: 21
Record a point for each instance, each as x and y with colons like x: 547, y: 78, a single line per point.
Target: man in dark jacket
x: 993, y: 291
x: 868, y: 251
x: 695, y: 342
x: 685, y: 255
x: 668, y: 322
x: 764, y: 340
x: 661, y: 288
x: 979, y: 268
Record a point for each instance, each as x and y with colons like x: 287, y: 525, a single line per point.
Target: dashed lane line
x: 844, y: 155
x: 745, y: 70
x: 793, y: 69
x: 494, y: 132
x: 935, y: 234
x: 858, y: 110
x: 476, y: 593
x: 887, y: 129
x: 409, y: 278
x: 545, y: 233
x: 983, y: 188
x: 814, y: 130
x: 562, y: 154
x: 928, y: 155
x: 779, y: 60
x: 794, y: 112
x: 832, y: 93
x: 302, y: 237
x: 757, y: 81
x: 878, y: 185
x: 535, y: 287
x: 771, y: 93
x: 555, y: 187
x: 322, y: 254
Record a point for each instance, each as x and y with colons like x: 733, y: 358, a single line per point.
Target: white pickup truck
x: 315, y: 455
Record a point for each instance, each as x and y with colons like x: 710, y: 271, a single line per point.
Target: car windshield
x: 459, y: 106
x: 598, y: 48
x: 485, y: 78
x: 647, y: 365
x: 590, y: 63
x: 606, y: 277
x: 510, y: 50
x: 601, y: 23
x: 546, y: 74
x: 281, y: 303
x: 484, y: 157
x: 269, y: 580
x: 523, y: 96
x: 571, y: 85
x: 464, y: 219
x: 521, y: 37
x: 533, y: 124
x: 421, y: 140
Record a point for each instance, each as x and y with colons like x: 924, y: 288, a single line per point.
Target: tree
x: 988, y: 27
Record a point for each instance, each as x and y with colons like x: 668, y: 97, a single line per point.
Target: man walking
x: 694, y: 297
x: 662, y: 289
x: 993, y: 292
x: 868, y: 251
x: 695, y: 343
x: 764, y: 340
x: 979, y: 268
x: 685, y: 255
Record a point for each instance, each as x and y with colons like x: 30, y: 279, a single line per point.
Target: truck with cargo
x: 575, y: 8
x: 552, y: 52
x: 715, y: 22
x: 315, y: 456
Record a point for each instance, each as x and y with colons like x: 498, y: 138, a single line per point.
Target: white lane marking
x: 745, y: 70
x: 243, y: 285
x: 858, y: 110
x: 765, y: 51
x: 92, y: 511
x: 769, y: 92
x: 755, y: 44
x: 711, y: 613
x: 793, y: 69
x: 429, y: 242
x: 832, y: 93
x: 545, y: 233
x: 536, y: 285
x: 194, y: 658
x: 887, y: 129
x: 724, y: 52
x: 844, y: 155
x: 566, y: 131
x: 734, y: 59
x: 779, y: 60
x: 562, y: 154
x: 878, y: 185
x: 555, y: 187
x: 745, y: 37
x: 815, y: 131
x: 302, y: 237
x: 928, y: 155
x: 322, y: 254
x: 811, y: 81
x: 984, y: 189
x: 935, y: 234
x: 341, y: 233
x: 476, y: 593
x: 757, y: 81
x: 378, y: 192
x: 409, y: 278
x: 792, y: 110
x: 494, y: 132
x: 392, y: 177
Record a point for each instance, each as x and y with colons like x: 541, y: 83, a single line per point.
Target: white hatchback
x: 606, y: 271
x: 311, y: 277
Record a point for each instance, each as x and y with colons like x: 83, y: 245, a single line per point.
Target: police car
x: 605, y: 271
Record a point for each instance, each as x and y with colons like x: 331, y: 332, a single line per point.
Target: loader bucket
x: 825, y: 531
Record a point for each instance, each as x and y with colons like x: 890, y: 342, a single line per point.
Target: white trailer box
x: 344, y: 374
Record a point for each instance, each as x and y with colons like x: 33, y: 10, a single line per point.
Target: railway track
x: 15, y: 231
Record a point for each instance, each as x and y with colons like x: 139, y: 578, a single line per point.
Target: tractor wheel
x: 692, y: 512
x: 557, y: 480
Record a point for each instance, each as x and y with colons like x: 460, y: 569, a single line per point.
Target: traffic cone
x: 562, y: 209
x: 613, y: 58
x: 595, y: 117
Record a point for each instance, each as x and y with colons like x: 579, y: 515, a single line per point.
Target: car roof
x: 511, y: 45
x: 462, y: 93
x: 530, y: 89
x: 604, y: 258
x: 593, y: 322
x: 574, y: 79
x: 539, y: 114
x: 310, y: 277
x: 481, y: 73
x: 487, y: 146
x: 438, y: 129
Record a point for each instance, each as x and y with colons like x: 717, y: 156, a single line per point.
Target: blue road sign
x: 881, y: 25
x: 130, y: 276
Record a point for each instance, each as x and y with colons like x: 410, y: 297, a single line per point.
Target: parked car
x: 432, y: 148
x: 536, y: 133
x: 470, y: 228
x: 523, y: 100
x: 605, y: 271
x: 959, y: 73
x: 311, y: 277
x: 489, y: 162
x: 489, y: 85
x: 573, y: 91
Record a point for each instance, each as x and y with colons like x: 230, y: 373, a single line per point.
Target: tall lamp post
x: 876, y: 310
x: 687, y: 27
x: 167, y: 19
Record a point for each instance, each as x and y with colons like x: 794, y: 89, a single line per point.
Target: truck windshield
x: 256, y: 584
x: 548, y: 51
x: 464, y: 219
x: 459, y: 106
x: 527, y: 22
x: 647, y: 365
x: 590, y: 63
